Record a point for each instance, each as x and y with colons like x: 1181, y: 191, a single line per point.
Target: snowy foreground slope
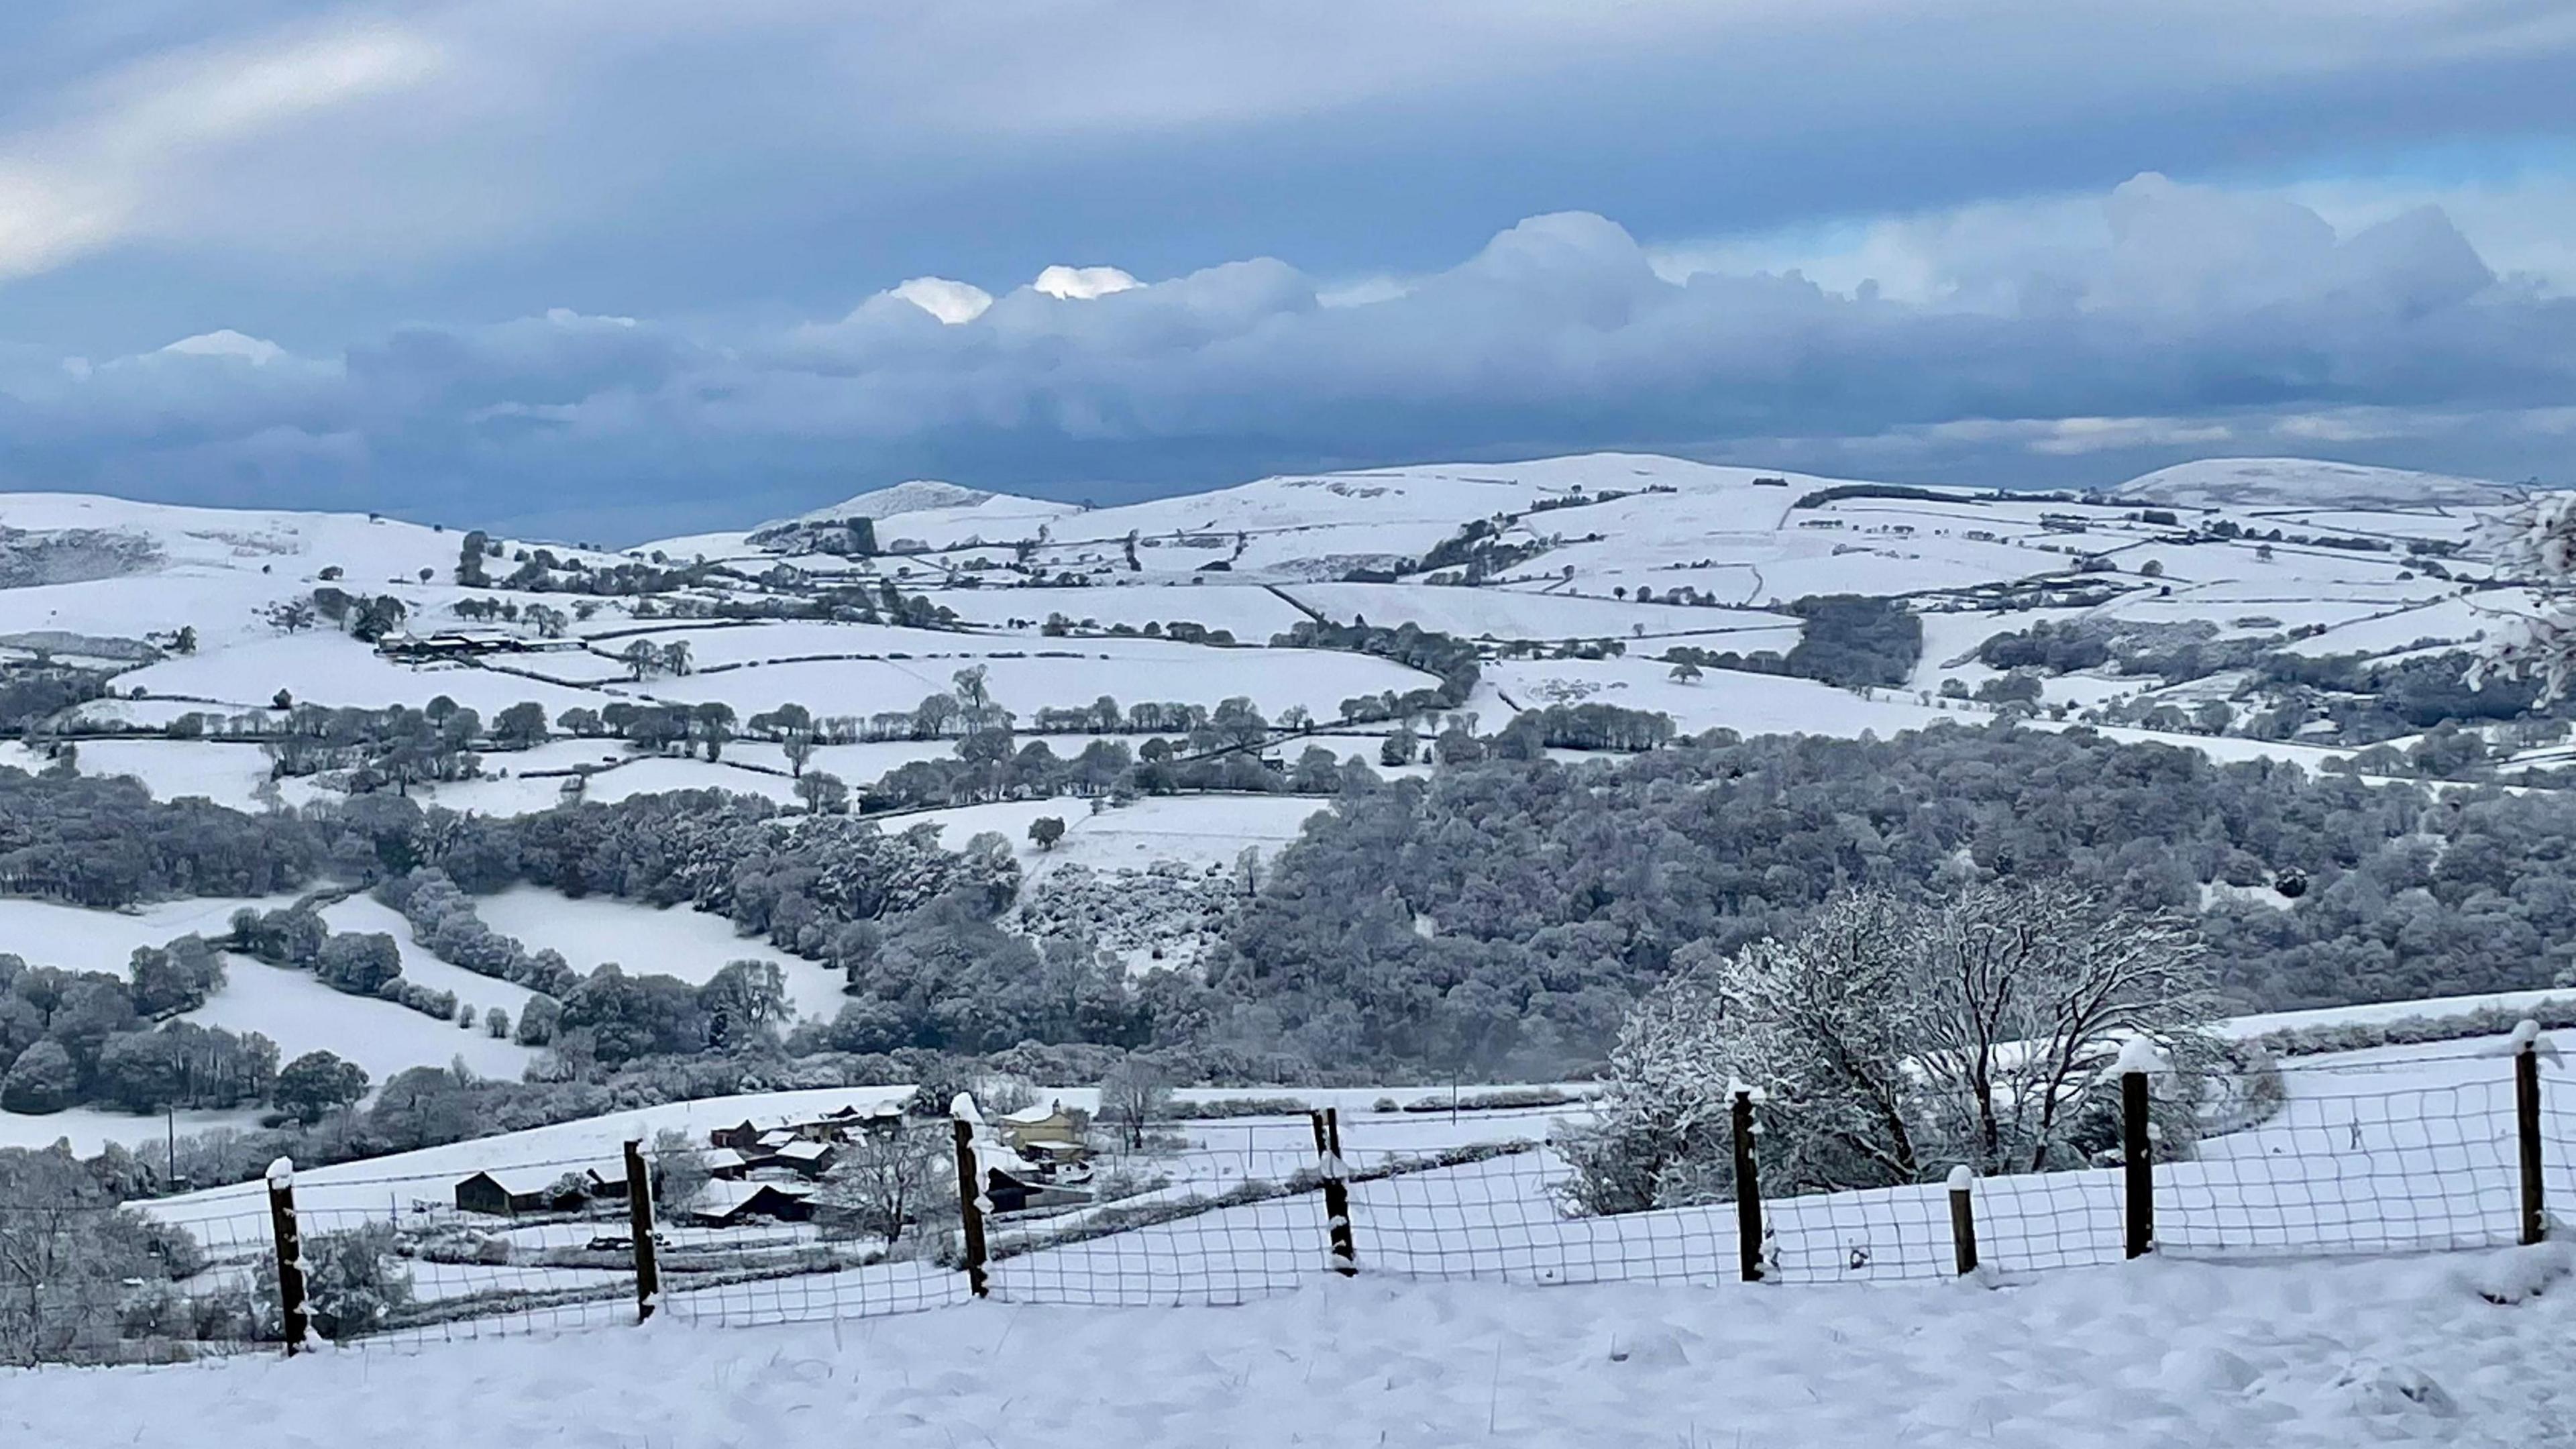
x: 2150, y: 1354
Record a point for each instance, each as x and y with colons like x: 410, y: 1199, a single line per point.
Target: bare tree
x: 2030, y: 991
x: 2537, y: 539
x: 679, y: 1172
x: 1892, y: 1038
x: 889, y: 1178
x: 1136, y: 1094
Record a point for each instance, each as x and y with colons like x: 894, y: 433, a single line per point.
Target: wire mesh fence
x: 1224, y: 1213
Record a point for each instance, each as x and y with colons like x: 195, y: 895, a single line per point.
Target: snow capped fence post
x: 971, y: 1201
x: 2137, y: 1164
x: 2526, y: 1115
x: 1345, y: 1258
x: 1748, y: 1191
x: 290, y: 1254
x: 639, y: 1219
x: 1963, y: 1218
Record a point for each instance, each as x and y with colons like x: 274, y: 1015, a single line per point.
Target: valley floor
x: 2160, y: 1353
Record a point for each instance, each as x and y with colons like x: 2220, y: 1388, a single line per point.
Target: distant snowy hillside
x: 923, y: 511
x: 918, y: 496
x: 2307, y: 483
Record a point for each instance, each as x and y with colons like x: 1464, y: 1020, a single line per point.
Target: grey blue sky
x: 619, y: 269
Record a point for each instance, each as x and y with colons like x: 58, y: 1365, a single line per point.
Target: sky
x: 615, y: 271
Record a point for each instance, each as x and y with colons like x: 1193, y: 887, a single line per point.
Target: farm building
x: 1012, y: 1190
x: 725, y: 1164
x: 507, y: 1192
x: 730, y: 1204
x: 813, y: 1159
x: 1031, y: 1126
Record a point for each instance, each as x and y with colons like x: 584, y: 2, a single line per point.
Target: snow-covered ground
x: 2152, y: 1355
x: 644, y: 940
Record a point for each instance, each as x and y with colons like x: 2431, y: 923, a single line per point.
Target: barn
x: 509, y: 1191
x: 729, y: 1204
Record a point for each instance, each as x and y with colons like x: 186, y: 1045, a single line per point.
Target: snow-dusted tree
x: 1136, y: 1094
x: 823, y: 792
x: 2536, y: 540
x: 678, y: 1172
x: 2030, y: 990
x: 1890, y: 1039
x: 888, y: 1178
x: 750, y: 996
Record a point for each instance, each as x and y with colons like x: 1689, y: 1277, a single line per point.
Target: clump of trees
x: 83, y: 1280
x: 74, y: 1037
x: 1855, y: 640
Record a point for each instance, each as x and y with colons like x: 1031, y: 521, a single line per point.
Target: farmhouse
x: 1031, y: 1126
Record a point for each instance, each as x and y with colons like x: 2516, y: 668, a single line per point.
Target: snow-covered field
x: 2152, y: 1355
x: 675, y: 941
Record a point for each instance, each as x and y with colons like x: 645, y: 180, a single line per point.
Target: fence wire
x: 1215, y: 1213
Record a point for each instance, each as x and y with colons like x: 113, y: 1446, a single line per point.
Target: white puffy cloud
x: 1083, y: 283
x: 950, y: 302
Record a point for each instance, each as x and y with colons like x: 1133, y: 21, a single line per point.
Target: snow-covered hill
x: 1578, y: 580
x: 2307, y: 483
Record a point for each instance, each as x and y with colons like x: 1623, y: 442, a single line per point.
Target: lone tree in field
x: 1891, y: 1039
x: 1046, y: 830
x: 823, y: 792
x: 1136, y: 1094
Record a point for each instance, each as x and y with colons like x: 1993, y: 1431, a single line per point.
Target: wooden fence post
x: 2137, y: 1165
x: 1748, y: 1192
x: 970, y: 1206
x: 1337, y: 1191
x: 1963, y: 1219
x: 2526, y: 1115
x: 639, y: 1219
x: 290, y: 1254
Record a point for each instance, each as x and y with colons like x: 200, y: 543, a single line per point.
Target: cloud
x: 257, y: 351
x: 2172, y: 319
x: 950, y: 302
x: 466, y: 156
x: 1083, y: 283
x: 99, y: 174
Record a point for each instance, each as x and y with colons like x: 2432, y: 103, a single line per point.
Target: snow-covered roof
x: 776, y: 1137
x: 1032, y: 1116
x: 720, y: 1198
x: 719, y: 1158
x: 805, y: 1151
